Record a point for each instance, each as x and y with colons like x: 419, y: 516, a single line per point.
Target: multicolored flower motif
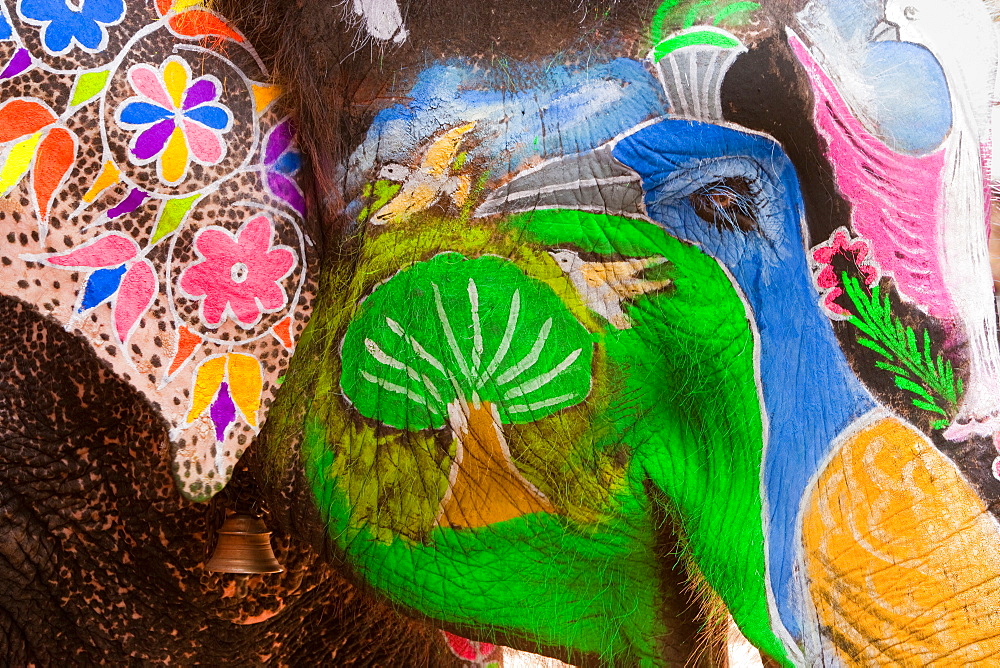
x: 852, y: 253
x: 224, y: 384
x: 64, y: 25
x: 281, y: 163
x: 176, y: 118
x: 238, y: 276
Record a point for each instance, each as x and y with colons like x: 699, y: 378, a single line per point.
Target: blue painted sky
x: 563, y: 111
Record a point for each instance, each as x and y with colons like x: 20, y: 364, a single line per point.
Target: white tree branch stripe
x: 529, y: 359
x: 544, y: 379
x: 398, y: 389
x: 538, y: 405
x: 381, y: 356
x: 398, y: 330
x: 449, y: 335
x: 508, y: 336
x: 477, y: 328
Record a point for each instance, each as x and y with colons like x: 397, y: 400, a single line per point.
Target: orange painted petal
x: 282, y: 330
x: 246, y: 382
x: 108, y: 177
x: 187, y: 341
x: 207, y: 380
x: 199, y: 23
x: 163, y: 6
x: 20, y: 118
x: 264, y: 95
x: 56, y: 154
x: 174, y: 160
x: 175, y: 79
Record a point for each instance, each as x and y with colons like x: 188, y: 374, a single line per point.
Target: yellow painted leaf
x: 245, y: 385
x: 18, y: 161
x: 108, y: 177
x: 207, y: 380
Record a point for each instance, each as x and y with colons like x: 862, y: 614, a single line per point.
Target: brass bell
x: 244, y: 547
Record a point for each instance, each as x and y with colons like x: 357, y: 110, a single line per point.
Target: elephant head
x: 586, y: 329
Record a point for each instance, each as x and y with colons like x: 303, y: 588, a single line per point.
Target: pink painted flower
x: 238, y: 276
x: 854, y: 252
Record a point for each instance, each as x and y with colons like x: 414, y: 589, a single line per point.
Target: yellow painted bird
x: 427, y: 184
x: 603, y: 286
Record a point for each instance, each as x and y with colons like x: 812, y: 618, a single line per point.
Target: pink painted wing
x: 896, y: 199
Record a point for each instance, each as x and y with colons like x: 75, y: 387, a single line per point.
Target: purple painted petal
x: 129, y: 204
x: 151, y: 141
x: 223, y: 412
x: 201, y: 92
x: 285, y: 188
x: 278, y: 141
x: 19, y: 63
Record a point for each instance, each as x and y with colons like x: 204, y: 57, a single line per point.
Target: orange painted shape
x: 246, y: 382
x: 487, y: 487
x: 108, y: 177
x: 264, y: 95
x: 56, y: 154
x: 199, y: 23
x: 902, y: 556
x: 282, y: 331
x: 163, y: 6
x: 20, y: 118
x: 187, y: 341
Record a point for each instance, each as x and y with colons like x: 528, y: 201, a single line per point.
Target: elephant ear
x: 113, y: 223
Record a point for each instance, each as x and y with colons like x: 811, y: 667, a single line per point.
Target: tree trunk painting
x: 471, y: 344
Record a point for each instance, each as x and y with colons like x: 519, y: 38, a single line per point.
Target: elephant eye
x: 729, y: 204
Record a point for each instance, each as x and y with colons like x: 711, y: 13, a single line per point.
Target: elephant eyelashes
x: 728, y: 203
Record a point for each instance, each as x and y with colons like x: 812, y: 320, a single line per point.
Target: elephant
x: 608, y: 331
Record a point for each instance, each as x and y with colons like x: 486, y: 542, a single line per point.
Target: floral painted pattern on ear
x: 148, y: 201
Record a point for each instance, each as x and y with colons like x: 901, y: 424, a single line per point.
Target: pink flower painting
x: 176, y: 118
x: 238, y: 276
x: 855, y: 251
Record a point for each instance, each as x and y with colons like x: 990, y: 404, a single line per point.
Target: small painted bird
x: 603, y: 286
x: 424, y: 186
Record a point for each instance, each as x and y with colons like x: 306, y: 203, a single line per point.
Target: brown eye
x: 728, y: 204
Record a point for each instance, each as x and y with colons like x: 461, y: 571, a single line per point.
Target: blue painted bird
x: 736, y: 195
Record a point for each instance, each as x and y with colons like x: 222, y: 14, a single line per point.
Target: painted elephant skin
x: 601, y: 330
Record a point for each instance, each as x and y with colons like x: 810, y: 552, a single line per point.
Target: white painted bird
x: 424, y: 186
x: 603, y: 286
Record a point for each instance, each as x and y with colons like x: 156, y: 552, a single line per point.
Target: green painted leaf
x: 171, y: 215
x: 469, y: 330
x: 88, y: 85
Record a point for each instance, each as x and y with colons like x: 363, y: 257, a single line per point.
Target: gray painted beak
x: 885, y: 31
x: 590, y: 181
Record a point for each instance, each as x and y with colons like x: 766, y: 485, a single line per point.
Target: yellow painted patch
x: 442, y: 150
x: 245, y: 385
x: 18, y: 161
x: 175, y: 157
x: 108, y: 177
x: 207, y: 380
x: 175, y: 78
x: 181, y: 5
x: 902, y: 556
x: 486, y: 487
x: 264, y: 95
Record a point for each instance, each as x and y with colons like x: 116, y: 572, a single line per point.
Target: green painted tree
x: 471, y: 345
